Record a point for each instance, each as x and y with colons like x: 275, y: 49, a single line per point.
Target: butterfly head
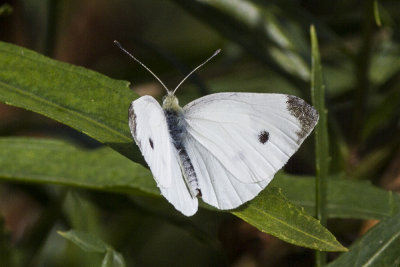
x: 170, y: 101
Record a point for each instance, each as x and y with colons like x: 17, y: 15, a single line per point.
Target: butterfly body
x: 177, y: 129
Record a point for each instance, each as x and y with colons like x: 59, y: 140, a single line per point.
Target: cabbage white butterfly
x: 224, y: 147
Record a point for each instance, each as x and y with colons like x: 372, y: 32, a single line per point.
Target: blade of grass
x: 362, y: 67
x: 321, y: 137
x: 92, y: 243
x: 376, y: 13
x: 260, y: 31
x: 380, y: 246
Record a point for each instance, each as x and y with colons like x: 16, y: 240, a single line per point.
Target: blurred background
x: 265, y: 48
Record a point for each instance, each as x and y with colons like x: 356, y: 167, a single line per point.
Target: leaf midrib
x: 377, y: 253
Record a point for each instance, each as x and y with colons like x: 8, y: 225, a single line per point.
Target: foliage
x: 92, y: 243
x: 357, y: 84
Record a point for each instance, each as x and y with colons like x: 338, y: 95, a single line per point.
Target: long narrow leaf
x: 55, y: 162
x: 49, y: 161
x: 345, y: 198
x: 91, y: 243
x: 259, y: 30
x: 272, y: 213
x: 380, y: 246
x: 321, y: 135
x: 321, y: 130
x: 85, y: 100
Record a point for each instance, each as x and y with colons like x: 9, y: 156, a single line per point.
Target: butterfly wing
x: 238, y: 141
x: 150, y: 131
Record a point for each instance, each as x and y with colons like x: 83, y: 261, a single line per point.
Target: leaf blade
x: 22, y: 159
x: 91, y: 243
x: 49, y: 161
x: 85, y: 241
x: 85, y: 100
x: 272, y: 213
x: 380, y: 246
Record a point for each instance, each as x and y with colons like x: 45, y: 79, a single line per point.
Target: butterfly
x: 223, y: 148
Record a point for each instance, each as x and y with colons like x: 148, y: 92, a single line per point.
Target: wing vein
x: 222, y: 165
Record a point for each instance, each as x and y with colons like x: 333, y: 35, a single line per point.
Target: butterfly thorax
x: 177, y: 130
x: 175, y: 120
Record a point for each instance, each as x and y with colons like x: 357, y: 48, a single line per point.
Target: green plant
x: 274, y: 33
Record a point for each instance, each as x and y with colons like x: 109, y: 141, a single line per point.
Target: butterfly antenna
x: 187, y: 76
x: 144, y: 66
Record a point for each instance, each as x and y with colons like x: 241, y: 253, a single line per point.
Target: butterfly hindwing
x: 149, y: 129
x: 240, y: 140
x: 218, y: 186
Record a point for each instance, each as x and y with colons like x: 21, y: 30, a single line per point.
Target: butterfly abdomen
x: 177, y: 130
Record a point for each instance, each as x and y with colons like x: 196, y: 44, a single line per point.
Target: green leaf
x: 260, y: 29
x: 321, y: 129
x: 49, y: 161
x: 113, y: 259
x: 91, y: 243
x: 56, y: 162
x: 382, y: 114
x: 85, y: 100
x: 345, y: 198
x: 5, y: 9
x: 376, y: 13
x: 321, y: 136
x: 380, y: 246
x: 271, y: 213
x: 46, y: 161
x: 85, y: 241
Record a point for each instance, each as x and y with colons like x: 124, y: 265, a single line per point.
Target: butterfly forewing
x: 246, y: 135
x: 149, y: 129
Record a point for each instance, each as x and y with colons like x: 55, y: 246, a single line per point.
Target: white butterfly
x: 224, y: 147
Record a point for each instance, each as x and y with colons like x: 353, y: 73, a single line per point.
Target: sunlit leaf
x: 85, y: 100
x: 270, y: 212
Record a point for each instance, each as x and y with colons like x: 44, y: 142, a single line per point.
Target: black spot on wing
x: 263, y: 137
x: 151, y: 143
x: 304, y: 113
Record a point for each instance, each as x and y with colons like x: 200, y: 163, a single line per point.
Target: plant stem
x: 321, y: 137
x: 362, y: 66
x: 51, y: 27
